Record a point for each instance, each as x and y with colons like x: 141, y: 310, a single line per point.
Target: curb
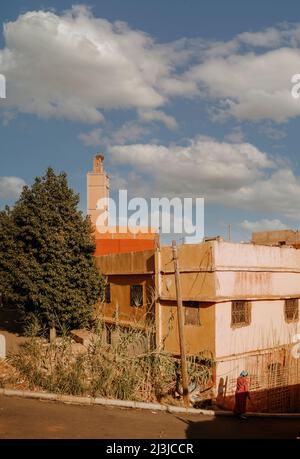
x: 75, y: 400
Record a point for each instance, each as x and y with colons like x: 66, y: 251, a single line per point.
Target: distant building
x: 278, y: 238
x: 241, y: 306
x: 121, y: 240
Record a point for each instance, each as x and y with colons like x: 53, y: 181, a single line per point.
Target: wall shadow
x: 231, y: 427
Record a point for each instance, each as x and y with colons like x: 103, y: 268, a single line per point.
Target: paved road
x: 25, y: 418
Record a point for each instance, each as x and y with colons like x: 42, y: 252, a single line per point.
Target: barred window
x: 291, y: 310
x: 136, y: 296
x: 191, y: 312
x: 240, y: 313
x: 107, y: 293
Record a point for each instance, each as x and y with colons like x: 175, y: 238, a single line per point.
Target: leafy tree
x: 8, y: 258
x: 55, y: 278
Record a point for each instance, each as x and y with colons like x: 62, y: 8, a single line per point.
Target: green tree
x: 8, y: 258
x: 55, y: 278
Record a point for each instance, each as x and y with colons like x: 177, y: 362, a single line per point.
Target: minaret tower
x: 97, y: 188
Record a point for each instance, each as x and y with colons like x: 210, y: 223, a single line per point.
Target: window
x: 291, y: 310
x: 191, y: 313
x: 240, y: 313
x: 107, y: 293
x: 136, y: 296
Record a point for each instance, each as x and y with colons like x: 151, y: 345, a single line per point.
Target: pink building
x: 241, y: 304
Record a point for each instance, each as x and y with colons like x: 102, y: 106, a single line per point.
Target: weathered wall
x: 248, y: 271
x: 267, y: 328
x: 197, y: 337
x: 196, y: 272
x: 218, y: 271
x: 119, y: 309
x: 251, y: 256
x: 126, y: 263
x: 288, y: 237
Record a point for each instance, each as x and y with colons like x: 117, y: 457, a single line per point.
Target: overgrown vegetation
x: 125, y: 369
x: 47, y: 267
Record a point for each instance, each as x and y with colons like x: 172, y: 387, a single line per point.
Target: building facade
x: 241, y: 306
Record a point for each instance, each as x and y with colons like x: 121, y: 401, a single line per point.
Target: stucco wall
x: 251, y: 284
x: 267, y: 329
x: 232, y: 255
x: 119, y: 309
x: 197, y: 337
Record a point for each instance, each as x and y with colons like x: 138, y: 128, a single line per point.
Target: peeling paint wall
x: 267, y: 329
x: 197, y: 337
x: 120, y: 309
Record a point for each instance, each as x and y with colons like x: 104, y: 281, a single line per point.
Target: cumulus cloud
x: 251, y: 86
x: 158, y: 115
x: 10, y: 188
x: 269, y: 38
x: 237, y: 175
x: 74, y: 65
x: 129, y: 131
x: 262, y: 225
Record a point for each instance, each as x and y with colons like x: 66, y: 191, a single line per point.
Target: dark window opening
x: 240, y: 313
x: 107, y: 294
x: 291, y: 310
x: 136, y: 296
x: 191, y: 313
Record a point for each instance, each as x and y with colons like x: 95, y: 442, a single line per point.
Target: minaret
x: 97, y: 188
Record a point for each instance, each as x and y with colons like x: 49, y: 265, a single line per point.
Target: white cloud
x: 251, y: 86
x: 262, y: 225
x: 269, y: 38
x: 237, y: 175
x: 73, y: 65
x: 76, y: 66
x: 11, y: 187
x: 158, y: 115
x: 129, y: 131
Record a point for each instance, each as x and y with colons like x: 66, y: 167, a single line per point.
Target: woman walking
x: 241, y: 395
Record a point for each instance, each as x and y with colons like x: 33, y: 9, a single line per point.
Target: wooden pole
x: 184, y: 373
x: 229, y: 232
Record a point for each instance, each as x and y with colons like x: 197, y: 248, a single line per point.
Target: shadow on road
x: 229, y: 427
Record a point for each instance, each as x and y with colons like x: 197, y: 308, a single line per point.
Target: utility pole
x: 184, y: 373
x: 229, y: 232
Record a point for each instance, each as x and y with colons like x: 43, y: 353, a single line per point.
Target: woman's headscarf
x: 244, y: 373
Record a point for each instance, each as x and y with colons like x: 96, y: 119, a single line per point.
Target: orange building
x: 109, y: 239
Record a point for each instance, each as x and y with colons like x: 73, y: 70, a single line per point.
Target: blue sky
x: 184, y: 98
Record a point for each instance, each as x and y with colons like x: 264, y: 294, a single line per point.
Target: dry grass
x: 128, y: 369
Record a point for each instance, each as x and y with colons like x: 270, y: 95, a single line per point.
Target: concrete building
x: 241, y: 306
x: 279, y: 237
